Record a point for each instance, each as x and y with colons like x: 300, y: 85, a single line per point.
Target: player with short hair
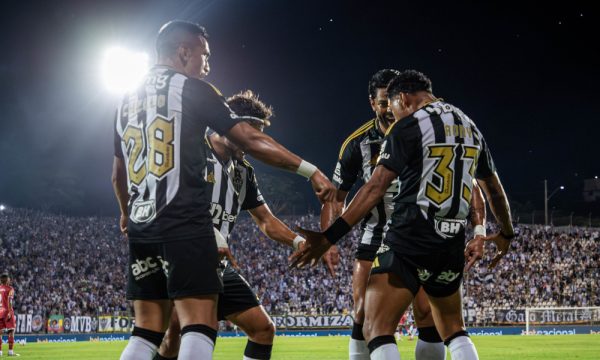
x: 7, y: 313
x: 157, y: 178
x: 357, y: 160
x: 435, y: 151
x: 233, y: 187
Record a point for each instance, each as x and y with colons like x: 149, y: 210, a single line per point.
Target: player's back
x: 160, y: 130
x: 436, y: 152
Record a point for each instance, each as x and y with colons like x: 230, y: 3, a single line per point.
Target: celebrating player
x: 435, y: 151
x: 157, y: 177
x: 233, y: 187
x: 7, y: 313
x: 357, y: 160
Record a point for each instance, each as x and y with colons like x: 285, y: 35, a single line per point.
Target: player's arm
x: 474, y: 248
x: 11, y: 296
x: 366, y: 198
x: 265, y: 149
x: 204, y: 101
x: 488, y: 179
x: 274, y: 228
x: 119, y: 182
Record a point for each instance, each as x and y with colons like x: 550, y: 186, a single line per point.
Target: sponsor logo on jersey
x: 384, y: 156
x: 423, y: 274
x: 449, y: 228
x: 337, y: 174
x: 148, y: 266
x: 143, y: 211
x: 446, y: 277
x: 211, y: 178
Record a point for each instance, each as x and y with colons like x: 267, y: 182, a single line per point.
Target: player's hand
x: 123, y: 223
x: 225, y: 253
x: 474, y: 251
x: 502, y: 245
x: 323, y: 188
x: 331, y: 259
x: 315, y: 246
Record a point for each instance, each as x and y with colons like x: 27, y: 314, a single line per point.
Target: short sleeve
x: 203, y: 103
x: 485, y: 164
x: 253, y: 198
x: 348, y: 167
x: 117, y: 140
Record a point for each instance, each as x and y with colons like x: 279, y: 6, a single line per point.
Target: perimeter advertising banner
x: 55, y: 324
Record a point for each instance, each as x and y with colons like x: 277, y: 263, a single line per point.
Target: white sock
x: 195, y: 345
x: 248, y: 358
x: 430, y: 351
x: 139, y: 349
x: 386, y: 352
x: 358, y: 350
x: 462, y: 348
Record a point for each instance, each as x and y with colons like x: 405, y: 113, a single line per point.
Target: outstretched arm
x: 274, y: 228
x: 366, y: 198
x: 474, y: 248
x: 269, y: 151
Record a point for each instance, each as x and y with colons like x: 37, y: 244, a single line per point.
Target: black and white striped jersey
x: 436, y: 152
x: 159, y: 133
x: 232, y: 188
x: 357, y: 160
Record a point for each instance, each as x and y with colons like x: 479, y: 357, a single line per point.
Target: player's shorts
x: 237, y: 294
x: 366, y: 251
x: 8, y: 324
x: 171, y: 270
x: 440, y: 274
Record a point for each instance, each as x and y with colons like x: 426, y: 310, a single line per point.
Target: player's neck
x: 426, y: 99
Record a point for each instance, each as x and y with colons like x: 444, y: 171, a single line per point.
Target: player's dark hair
x: 409, y: 81
x: 381, y: 79
x: 4, y: 278
x: 173, y: 33
x: 247, y: 103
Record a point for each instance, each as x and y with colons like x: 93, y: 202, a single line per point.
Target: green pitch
x: 335, y: 347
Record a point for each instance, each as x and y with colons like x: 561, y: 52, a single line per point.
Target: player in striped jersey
x: 157, y: 179
x: 357, y: 160
x: 232, y: 188
x: 435, y: 151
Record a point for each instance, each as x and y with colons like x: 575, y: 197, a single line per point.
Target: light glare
x: 122, y: 69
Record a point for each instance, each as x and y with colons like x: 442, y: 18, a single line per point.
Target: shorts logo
x: 424, y: 274
x: 384, y: 156
x: 375, y: 263
x: 148, y: 266
x: 449, y: 228
x: 143, y: 211
x: 383, y: 248
x: 446, y: 277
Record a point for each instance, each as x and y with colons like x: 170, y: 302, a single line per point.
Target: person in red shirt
x: 7, y: 314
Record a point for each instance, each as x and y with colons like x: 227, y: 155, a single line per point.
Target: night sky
x: 527, y: 76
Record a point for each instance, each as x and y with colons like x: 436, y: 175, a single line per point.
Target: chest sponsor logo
x: 449, y: 228
x: 143, y: 211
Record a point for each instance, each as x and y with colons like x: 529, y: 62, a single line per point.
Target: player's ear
x: 183, y: 53
x: 372, y: 102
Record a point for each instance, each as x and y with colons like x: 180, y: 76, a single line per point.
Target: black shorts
x: 237, y: 294
x: 440, y: 274
x: 171, y: 270
x: 366, y: 251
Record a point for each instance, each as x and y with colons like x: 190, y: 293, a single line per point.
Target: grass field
x: 335, y: 347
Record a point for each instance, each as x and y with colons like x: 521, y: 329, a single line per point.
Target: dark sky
x: 527, y: 76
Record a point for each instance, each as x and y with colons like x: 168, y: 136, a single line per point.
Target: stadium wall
x: 487, y: 331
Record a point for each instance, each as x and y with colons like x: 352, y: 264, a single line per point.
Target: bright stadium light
x: 122, y: 69
x: 2, y: 207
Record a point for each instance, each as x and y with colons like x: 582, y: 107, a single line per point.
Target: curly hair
x: 247, y: 103
x: 409, y: 81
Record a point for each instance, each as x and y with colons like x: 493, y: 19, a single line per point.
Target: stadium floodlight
x: 2, y: 207
x: 547, y: 198
x: 122, y: 69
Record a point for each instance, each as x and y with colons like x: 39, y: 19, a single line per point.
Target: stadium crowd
x: 77, y: 266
